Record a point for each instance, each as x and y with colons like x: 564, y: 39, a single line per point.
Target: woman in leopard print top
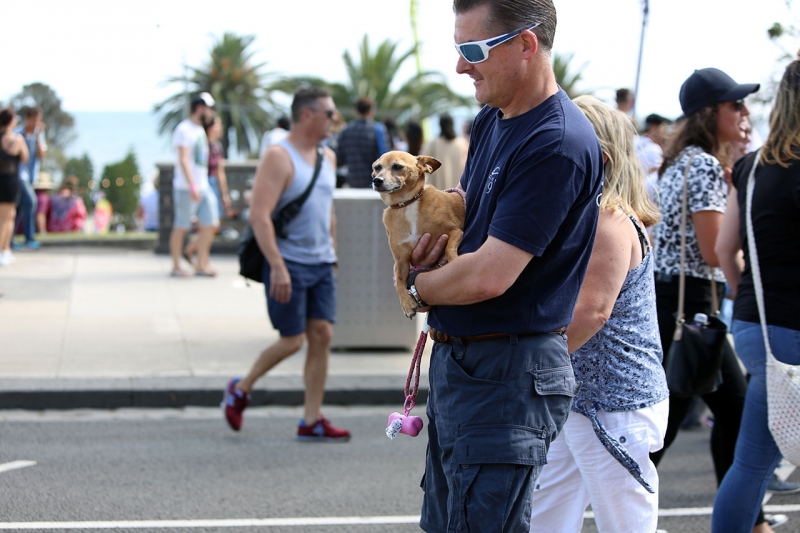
x: 714, y: 110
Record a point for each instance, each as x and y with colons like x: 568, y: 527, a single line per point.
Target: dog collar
x: 400, y: 205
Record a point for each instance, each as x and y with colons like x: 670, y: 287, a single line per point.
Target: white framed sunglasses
x: 478, y: 51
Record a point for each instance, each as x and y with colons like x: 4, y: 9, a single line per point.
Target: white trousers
x: 580, y: 471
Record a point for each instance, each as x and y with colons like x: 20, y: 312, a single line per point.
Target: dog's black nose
x: 377, y: 182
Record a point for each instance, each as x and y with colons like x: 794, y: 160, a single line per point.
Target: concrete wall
x: 240, y: 179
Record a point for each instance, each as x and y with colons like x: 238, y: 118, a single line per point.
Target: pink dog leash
x: 405, y: 423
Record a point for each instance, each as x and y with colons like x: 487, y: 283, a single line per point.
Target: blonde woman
x: 620, y: 413
x: 776, y: 217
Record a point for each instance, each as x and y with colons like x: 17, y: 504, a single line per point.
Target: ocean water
x: 107, y: 136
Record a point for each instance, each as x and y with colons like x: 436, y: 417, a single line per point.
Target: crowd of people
x: 28, y: 203
x: 581, y: 236
x: 553, y: 327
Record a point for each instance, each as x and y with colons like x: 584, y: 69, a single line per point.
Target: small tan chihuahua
x: 415, y: 209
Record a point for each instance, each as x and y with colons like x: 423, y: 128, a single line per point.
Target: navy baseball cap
x: 709, y: 86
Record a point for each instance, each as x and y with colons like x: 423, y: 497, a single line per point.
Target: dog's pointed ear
x: 428, y: 164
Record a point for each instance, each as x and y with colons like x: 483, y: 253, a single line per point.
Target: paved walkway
x: 98, y: 327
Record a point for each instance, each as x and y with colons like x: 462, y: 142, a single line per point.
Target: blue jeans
x: 26, y: 210
x: 742, y: 490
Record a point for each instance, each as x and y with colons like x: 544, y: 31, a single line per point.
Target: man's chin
x: 480, y: 91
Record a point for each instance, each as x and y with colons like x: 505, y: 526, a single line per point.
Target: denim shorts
x: 493, y: 408
x: 206, y: 209
x: 313, y: 296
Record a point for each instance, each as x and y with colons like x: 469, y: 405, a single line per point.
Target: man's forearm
x: 461, y: 282
x: 187, y: 174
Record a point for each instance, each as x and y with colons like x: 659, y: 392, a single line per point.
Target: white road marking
x: 237, y: 522
x: 321, y: 521
x: 13, y: 465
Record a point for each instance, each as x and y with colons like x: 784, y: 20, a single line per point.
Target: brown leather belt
x: 440, y: 336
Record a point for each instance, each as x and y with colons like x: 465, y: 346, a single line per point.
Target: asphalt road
x: 163, y: 465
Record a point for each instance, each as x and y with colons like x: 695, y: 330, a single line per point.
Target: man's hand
x: 226, y: 202
x: 194, y: 194
x: 280, y: 284
x: 433, y: 258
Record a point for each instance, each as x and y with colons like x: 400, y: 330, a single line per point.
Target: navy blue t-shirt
x: 532, y: 181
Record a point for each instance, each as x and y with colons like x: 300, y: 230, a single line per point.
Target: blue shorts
x: 494, y: 406
x: 313, y: 296
x: 206, y: 209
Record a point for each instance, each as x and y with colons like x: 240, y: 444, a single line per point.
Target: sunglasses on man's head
x: 478, y: 51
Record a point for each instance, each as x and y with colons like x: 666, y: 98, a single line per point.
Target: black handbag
x: 251, y: 260
x: 695, y: 356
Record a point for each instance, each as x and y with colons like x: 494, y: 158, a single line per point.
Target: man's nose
x: 462, y: 65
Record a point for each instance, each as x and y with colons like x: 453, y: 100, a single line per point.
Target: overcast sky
x: 114, y: 55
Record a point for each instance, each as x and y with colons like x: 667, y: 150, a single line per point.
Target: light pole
x: 645, y: 13
x: 415, y: 33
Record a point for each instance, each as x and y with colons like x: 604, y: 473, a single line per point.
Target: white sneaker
x: 776, y: 520
x: 6, y: 258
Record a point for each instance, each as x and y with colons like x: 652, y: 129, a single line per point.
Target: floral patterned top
x: 707, y: 191
x: 620, y: 367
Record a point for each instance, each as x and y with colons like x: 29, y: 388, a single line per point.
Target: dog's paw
x: 409, y: 306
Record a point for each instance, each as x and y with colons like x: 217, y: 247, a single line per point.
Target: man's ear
x: 428, y: 164
x: 530, y: 43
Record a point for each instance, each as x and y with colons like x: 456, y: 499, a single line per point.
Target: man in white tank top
x: 298, y: 270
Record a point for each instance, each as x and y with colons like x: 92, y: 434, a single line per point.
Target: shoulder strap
x: 679, y: 318
x: 643, y: 242
x: 755, y: 269
x: 300, y: 200
x: 292, y: 209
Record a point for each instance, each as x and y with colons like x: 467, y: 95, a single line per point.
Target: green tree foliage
x: 374, y: 73
x: 236, y: 83
x: 785, y: 35
x: 120, y: 183
x: 566, y: 79
x: 83, y: 169
x: 60, y: 124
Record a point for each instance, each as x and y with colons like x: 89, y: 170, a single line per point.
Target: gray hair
x: 509, y: 15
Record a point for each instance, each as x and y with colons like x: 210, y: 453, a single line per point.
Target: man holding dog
x: 501, y: 382
x: 298, y: 270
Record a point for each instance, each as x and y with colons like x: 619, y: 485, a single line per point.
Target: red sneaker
x: 321, y: 431
x: 234, y: 404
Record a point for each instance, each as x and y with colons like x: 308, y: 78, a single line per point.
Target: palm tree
x: 373, y: 74
x: 236, y: 83
x: 566, y: 79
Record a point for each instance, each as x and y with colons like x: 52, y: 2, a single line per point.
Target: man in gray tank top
x: 298, y: 270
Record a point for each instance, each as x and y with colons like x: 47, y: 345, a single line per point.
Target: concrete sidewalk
x: 108, y: 328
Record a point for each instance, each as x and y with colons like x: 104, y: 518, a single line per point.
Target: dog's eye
x: 377, y: 168
x: 397, y: 167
